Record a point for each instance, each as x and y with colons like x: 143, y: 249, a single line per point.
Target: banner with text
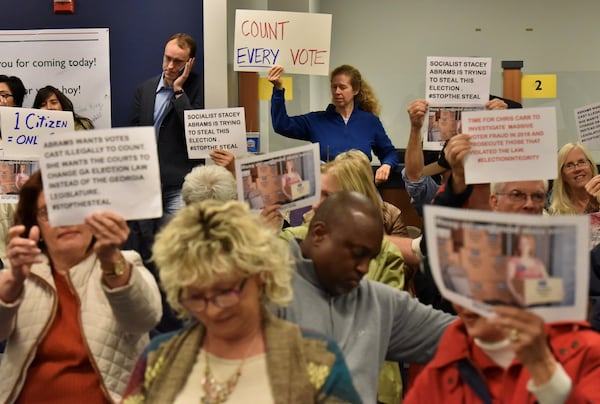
x: 300, y: 42
x: 76, y: 61
x: 109, y: 169
x: 511, y: 145
x: 212, y: 129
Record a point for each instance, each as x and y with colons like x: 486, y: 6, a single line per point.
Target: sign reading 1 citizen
x: 35, y: 120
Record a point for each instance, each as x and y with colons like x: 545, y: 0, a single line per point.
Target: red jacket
x: 574, y: 345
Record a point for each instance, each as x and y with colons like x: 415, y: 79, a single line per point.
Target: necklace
x: 216, y: 392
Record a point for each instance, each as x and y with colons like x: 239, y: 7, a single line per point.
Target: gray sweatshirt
x: 372, y: 323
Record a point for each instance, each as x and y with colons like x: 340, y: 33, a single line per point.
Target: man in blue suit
x: 161, y: 102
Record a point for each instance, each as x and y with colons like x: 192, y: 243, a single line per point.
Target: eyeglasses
x: 222, y: 300
x: 574, y: 166
x: 6, y: 96
x: 519, y: 196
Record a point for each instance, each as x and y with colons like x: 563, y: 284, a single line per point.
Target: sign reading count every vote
x: 110, y: 169
x: 299, y: 42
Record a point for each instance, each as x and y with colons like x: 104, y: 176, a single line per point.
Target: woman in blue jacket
x: 350, y: 122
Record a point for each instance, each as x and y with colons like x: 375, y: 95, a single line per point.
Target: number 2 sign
x: 538, y: 86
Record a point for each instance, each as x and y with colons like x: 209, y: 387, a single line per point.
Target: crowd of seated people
x: 318, y: 312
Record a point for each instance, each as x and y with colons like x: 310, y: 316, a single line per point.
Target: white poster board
x: 212, y: 129
x: 300, y: 42
x: 24, y: 129
x: 458, y: 80
x: 587, y: 119
x: 476, y: 262
x: 511, y: 145
x: 289, y: 178
x: 453, y: 85
x: 109, y: 169
x: 76, y: 61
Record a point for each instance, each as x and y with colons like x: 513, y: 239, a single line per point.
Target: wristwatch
x: 178, y: 92
x: 118, y: 269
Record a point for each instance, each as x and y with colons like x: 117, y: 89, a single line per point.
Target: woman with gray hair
x: 221, y: 267
x: 208, y: 182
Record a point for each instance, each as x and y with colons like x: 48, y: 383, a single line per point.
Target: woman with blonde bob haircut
x: 221, y: 266
x: 577, y: 186
x: 352, y: 171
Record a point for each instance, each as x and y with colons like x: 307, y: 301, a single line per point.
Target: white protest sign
x: 289, y: 178
x: 511, y: 145
x: 587, y: 119
x: 458, y: 80
x: 76, y: 61
x: 108, y: 169
x: 300, y: 42
x: 24, y: 129
x: 212, y: 129
x: 538, y: 263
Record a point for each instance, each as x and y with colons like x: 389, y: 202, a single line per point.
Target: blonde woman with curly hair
x: 221, y: 267
x: 351, y: 121
x: 577, y: 187
x: 351, y: 171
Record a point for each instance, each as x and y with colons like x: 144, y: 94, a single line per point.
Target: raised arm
x: 413, y: 157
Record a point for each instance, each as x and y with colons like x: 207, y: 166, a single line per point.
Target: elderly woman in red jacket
x: 512, y: 358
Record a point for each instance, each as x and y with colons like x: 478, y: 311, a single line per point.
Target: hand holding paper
x: 456, y: 151
x: 22, y: 253
x: 528, y: 340
x: 110, y: 231
x: 496, y: 103
x: 274, y: 76
x: 593, y: 186
x: 416, y: 112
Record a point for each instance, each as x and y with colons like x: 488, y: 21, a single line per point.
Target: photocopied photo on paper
x: 290, y: 178
x: 480, y: 259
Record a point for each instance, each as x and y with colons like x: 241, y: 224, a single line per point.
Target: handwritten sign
x: 300, y: 42
x: 587, y: 119
x: 109, y: 169
x: 212, y: 129
x: 456, y: 80
x: 23, y: 129
x: 511, y: 145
